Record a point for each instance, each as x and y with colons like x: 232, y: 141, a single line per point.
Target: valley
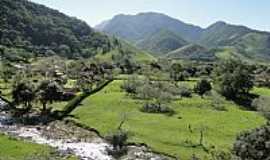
x: 136, y: 87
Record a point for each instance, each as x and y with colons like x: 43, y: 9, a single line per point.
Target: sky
x: 251, y: 13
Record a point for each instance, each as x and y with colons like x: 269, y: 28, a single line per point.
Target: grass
x: 5, y: 89
x: 263, y: 91
x: 104, y: 110
x: 12, y: 149
x: 139, y: 56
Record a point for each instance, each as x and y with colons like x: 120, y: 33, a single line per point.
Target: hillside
x: 140, y: 26
x: 255, y: 42
x: 162, y: 42
x: 154, y: 32
x: 41, y: 30
x: 139, y: 30
x: 192, y: 52
x: 222, y: 34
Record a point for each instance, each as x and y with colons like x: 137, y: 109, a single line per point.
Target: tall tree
x: 233, y: 78
x: 23, y: 93
x: 48, y: 92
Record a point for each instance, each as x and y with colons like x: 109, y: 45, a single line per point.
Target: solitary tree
x: 176, y: 72
x: 48, y: 92
x: 23, y: 93
x: 202, y: 87
x: 233, y: 79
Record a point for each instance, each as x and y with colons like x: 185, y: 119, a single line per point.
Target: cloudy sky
x: 252, y: 13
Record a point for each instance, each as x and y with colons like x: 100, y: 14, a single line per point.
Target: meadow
x: 175, y: 135
x: 13, y: 149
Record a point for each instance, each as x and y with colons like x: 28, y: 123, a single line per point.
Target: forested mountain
x: 141, y: 27
x: 37, y: 29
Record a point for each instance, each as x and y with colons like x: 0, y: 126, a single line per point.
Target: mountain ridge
x: 140, y: 27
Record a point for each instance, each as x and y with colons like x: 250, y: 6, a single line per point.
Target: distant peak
x: 219, y: 23
x: 150, y: 13
x: 141, y: 14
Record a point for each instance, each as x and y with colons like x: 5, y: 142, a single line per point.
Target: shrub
x: 129, y: 87
x: 156, y: 108
x: 218, y: 102
x: 253, y: 145
x: 66, y: 96
x: 119, y: 142
x: 185, y: 92
x: 221, y: 155
x: 202, y: 87
x: 262, y: 104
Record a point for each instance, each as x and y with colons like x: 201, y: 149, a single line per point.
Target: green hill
x: 138, y: 27
x: 136, y: 54
x: 162, y: 42
x: 145, y: 31
x: 192, y: 52
x: 221, y: 34
x: 255, y: 45
x: 41, y: 30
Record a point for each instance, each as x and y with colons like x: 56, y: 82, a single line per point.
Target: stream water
x: 84, y: 150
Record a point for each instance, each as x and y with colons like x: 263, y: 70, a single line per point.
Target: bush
x: 129, y: 87
x: 155, y: 108
x: 253, y: 145
x: 262, y: 104
x: 185, y: 92
x: 202, y: 87
x: 221, y: 155
x: 66, y: 96
x: 119, y: 141
x: 218, y: 102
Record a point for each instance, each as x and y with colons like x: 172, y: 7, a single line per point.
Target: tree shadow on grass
x: 245, y: 101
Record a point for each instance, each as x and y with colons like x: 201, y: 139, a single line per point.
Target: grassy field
x: 172, y: 135
x: 261, y: 91
x: 11, y: 149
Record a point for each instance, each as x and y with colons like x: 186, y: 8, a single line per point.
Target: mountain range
x: 28, y: 29
x: 161, y: 34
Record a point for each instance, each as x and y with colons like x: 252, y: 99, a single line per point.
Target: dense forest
x: 39, y: 30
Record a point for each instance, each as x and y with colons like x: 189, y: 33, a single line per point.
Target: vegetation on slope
x: 162, y: 42
x: 138, y: 27
x: 221, y: 34
x: 192, y: 52
x: 255, y: 45
x: 41, y: 30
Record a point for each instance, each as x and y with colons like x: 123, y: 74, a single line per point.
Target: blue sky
x: 252, y: 13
